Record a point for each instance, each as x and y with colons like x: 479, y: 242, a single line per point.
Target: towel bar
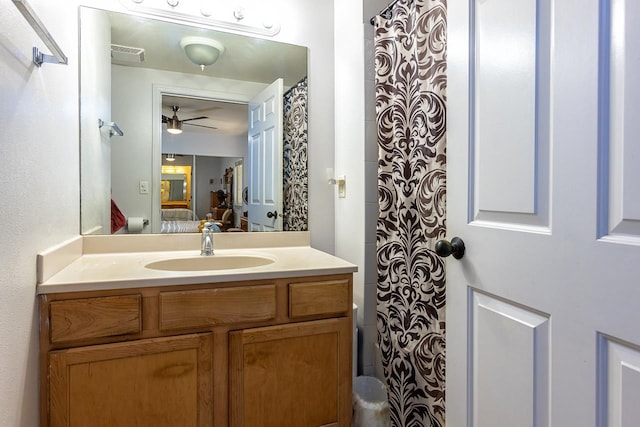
x: 38, y: 57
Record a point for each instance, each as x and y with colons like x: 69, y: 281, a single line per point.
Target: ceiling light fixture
x: 171, y: 157
x: 174, y: 125
x: 202, y: 51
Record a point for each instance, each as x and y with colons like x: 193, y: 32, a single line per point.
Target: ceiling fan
x: 174, y: 124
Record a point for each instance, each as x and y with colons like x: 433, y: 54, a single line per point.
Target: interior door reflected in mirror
x: 135, y: 72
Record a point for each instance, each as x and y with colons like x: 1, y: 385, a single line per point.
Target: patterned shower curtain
x: 295, y: 179
x: 410, y: 60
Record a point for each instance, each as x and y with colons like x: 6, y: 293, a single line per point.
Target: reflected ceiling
x: 161, y: 43
x: 229, y: 119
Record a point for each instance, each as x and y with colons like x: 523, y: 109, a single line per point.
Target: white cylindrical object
x: 135, y: 224
x: 370, y: 405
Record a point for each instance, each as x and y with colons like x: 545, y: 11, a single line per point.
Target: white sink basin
x: 213, y: 262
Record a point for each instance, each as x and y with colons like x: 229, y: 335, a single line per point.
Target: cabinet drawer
x: 315, y: 298
x: 209, y: 307
x: 86, y: 318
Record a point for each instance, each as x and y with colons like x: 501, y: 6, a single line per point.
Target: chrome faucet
x: 206, y: 246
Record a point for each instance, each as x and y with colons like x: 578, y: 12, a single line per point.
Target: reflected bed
x: 179, y: 221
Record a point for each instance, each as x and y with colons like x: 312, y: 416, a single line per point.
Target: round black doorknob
x: 444, y: 248
x: 273, y: 214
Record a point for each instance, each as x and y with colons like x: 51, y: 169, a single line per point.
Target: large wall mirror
x: 185, y: 154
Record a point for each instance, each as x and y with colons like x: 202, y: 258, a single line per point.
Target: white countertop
x: 115, y: 269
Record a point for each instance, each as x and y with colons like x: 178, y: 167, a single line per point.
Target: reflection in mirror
x: 173, y: 188
x: 210, y: 194
x: 195, y: 188
x: 135, y: 73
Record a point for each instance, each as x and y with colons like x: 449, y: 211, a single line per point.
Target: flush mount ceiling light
x: 202, y: 51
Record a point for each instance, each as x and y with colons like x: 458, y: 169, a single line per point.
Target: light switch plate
x: 144, y: 187
x: 342, y: 186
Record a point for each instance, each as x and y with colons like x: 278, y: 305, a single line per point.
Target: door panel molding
x: 509, y: 97
x: 510, y: 359
x: 618, y: 383
x: 619, y: 197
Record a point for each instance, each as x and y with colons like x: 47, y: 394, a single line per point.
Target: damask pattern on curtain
x: 295, y: 173
x: 410, y: 60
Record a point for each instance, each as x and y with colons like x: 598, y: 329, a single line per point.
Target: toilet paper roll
x: 135, y: 224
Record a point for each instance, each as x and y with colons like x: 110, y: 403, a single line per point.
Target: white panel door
x: 264, y: 159
x: 543, y: 310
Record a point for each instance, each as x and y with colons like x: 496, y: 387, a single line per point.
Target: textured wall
x: 39, y: 188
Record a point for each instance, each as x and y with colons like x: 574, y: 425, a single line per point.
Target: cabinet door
x: 154, y: 382
x: 296, y: 375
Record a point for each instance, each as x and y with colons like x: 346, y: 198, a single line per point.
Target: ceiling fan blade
x: 195, y: 118
x: 165, y: 119
x: 200, y: 126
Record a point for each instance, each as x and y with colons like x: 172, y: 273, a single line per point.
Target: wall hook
x: 113, y: 128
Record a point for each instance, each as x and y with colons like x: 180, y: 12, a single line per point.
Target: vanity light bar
x: 38, y: 57
x: 229, y: 16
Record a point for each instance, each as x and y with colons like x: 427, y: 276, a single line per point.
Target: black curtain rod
x: 372, y: 21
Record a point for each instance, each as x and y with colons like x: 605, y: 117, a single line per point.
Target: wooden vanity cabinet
x: 259, y: 353
x: 291, y: 375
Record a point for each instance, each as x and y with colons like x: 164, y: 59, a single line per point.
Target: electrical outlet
x: 144, y: 187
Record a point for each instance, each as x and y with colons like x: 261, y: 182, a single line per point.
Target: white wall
x: 311, y: 23
x: 204, y: 145
x: 357, y: 154
x: 39, y: 187
x: 95, y: 207
x: 349, y: 145
x: 40, y: 151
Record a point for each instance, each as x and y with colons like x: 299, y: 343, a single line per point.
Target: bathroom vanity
x: 124, y: 344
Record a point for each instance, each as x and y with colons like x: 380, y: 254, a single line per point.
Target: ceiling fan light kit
x: 202, y: 51
x: 174, y: 125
